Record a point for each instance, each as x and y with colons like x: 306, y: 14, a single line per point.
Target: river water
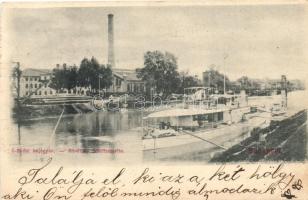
x: 103, y: 137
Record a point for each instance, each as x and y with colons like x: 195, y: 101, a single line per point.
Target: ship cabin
x: 218, y: 110
x: 193, y: 119
x: 203, y: 98
x: 195, y: 94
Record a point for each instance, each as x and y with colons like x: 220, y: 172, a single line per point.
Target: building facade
x: 126, y: 81
x: 35, y: 83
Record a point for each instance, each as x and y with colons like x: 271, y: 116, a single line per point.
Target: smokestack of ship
x: 110, y: 41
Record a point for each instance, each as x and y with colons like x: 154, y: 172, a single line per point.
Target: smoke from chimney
x: 110, y: 41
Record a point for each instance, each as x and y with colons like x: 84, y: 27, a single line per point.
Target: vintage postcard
x: 154, y: 100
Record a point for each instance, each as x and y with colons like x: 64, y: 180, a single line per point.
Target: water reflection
x: 99, y: 130
x: 83, y: 134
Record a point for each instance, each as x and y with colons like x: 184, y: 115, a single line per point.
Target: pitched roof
x: 36, y: 72
x: 131, y: 74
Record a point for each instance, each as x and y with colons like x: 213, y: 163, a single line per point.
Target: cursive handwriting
x: 220, y: 174
x: 282, y: 179
x: 58, y: 183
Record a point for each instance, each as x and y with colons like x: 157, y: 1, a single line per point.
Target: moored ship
x: 204, y: 122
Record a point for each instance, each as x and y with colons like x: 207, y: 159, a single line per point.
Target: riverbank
x: 32, y: 112
x: 283, y: 141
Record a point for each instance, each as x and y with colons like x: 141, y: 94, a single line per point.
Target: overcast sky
x: 260, y: 41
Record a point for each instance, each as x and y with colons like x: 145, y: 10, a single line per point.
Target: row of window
x: 35, y: 85
x: 50, y: 92
x: 214, y: 117
x: 40, y: 93
x: 35, y: 78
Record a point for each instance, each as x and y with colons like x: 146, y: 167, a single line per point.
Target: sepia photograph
x: 157, y: 84
x: 165, y: 100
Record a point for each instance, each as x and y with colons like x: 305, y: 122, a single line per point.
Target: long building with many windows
x: 35, y: 82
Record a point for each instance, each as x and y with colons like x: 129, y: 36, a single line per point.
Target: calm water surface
x: 116, y: 132
x: 103, y: 135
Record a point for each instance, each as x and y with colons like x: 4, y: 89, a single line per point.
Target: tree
x: 188, y: 81
x: 63, y: 78
x: 250, y: 86
x: 245, y: 83
x: 213, y: 78
x: 106, y: 76
x: 94, y: 73
x: 71, y: 77
x: 89, y: 73
x: 84, y: 73
x: 160, y: 72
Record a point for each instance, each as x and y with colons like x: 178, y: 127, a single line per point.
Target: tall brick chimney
x: 110, y: 41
